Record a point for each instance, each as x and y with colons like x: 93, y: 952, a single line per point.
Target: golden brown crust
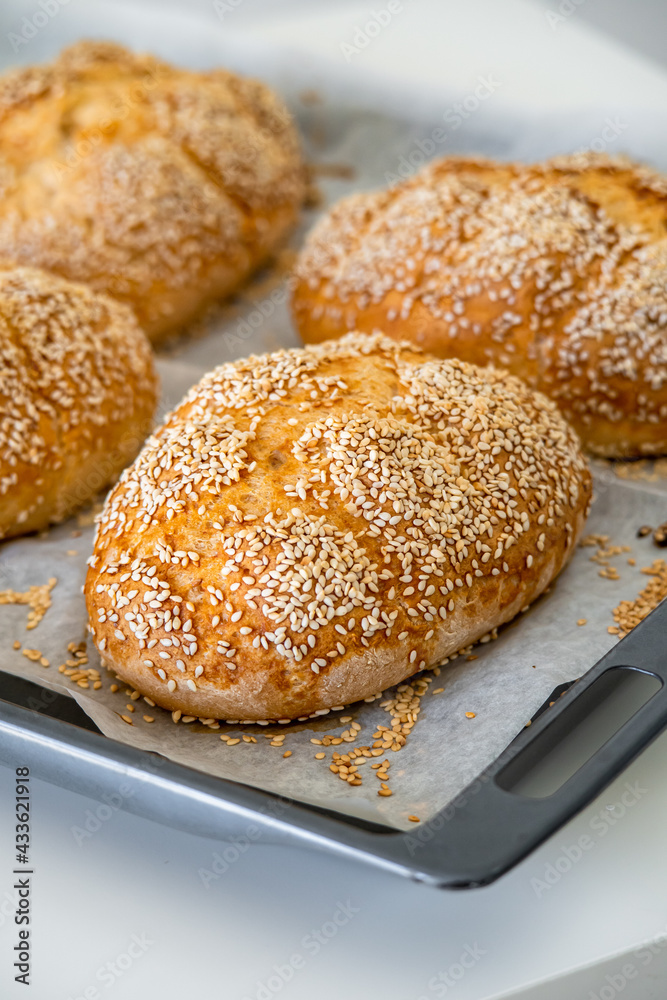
x: 556, y: 271
x: 77, y: 396
x: 311, y: 526
x: 161, y: 187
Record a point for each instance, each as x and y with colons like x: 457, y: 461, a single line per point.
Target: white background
x: 133, y: 877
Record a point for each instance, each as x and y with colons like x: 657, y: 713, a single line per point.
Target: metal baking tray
x: 497, y: 819
x: 587, y: 735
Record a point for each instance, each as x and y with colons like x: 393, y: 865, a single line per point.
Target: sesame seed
x: 428, y: 503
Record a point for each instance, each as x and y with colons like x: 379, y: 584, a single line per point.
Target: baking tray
x: 493, y: 822
x: 512, y: 807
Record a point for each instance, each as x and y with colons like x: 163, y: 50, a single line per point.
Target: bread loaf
x: 77, y: 396
x: 162, y: 187
x: 556, y: 271
x: 311, y: 526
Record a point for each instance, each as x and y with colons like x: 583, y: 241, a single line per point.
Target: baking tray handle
x: 494, y: 823
x: 601, y: 724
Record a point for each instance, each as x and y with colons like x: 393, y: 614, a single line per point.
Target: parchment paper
x: 510, y: 677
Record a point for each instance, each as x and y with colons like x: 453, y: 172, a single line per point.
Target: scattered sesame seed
x: 37, y: 597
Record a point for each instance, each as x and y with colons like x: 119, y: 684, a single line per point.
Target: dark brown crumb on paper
x: 660, y: 536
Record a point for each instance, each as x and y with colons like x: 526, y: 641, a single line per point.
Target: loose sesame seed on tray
x: 37, y: 597
x: 630, y: 613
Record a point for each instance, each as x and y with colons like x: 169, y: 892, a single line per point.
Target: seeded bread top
x: 557, y: 271
x: 76, y: 380
x: 138, y: 177
x: 346, y: 506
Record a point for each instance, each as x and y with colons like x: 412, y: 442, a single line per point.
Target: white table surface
x: 135, y: 879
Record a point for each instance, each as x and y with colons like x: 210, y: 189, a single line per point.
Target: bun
x: 77, y: 396
x: 557, y: 272
x: 312, y: 526
x: 161, y: 187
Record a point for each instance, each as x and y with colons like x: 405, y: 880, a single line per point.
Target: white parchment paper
x: 509, y: 678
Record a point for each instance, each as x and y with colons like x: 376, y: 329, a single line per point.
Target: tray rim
x: 460, y: 849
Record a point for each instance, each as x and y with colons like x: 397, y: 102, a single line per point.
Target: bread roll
x: 312, y: 526
x: 77, y: 396
x: 161, y: 187
x: 556, y: 271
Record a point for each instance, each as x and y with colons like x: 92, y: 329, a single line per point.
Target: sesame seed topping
x: 196, y: 168
x: 565, y: 261
x: 447, y: 464
x: 71, y: 365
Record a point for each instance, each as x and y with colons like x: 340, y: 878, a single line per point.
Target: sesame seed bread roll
x: 161, y: 187
x: 77, y: 396
x: 557, y: 272
x: 312, y: 526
